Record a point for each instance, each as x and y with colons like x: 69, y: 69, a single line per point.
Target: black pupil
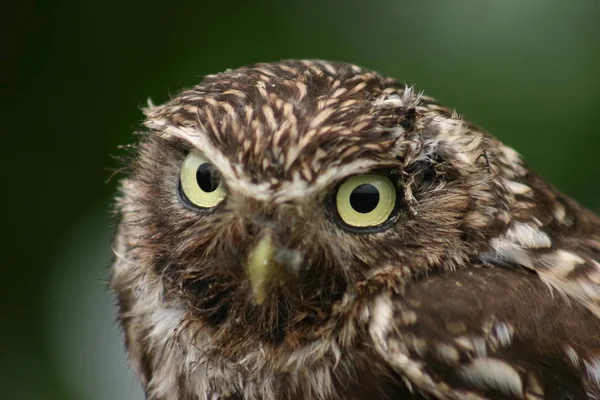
x: 364, y: 198
x: 207, y: 178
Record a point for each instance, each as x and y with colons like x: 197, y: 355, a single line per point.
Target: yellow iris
x: 366, y: 201
x: 200, y: 182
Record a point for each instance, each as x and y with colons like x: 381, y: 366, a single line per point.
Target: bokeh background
x: 75, y: 74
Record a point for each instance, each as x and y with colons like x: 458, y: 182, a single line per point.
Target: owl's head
x: 265, y: 197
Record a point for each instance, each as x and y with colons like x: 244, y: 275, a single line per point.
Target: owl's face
x: 267, y: 198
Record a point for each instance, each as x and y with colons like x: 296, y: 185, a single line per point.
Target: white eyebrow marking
x: 296, y: 188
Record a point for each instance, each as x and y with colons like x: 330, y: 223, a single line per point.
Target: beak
x: 263, y: 270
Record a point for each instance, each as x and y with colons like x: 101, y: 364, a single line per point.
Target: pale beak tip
x: 259, y: 297
x: 261, y: 269
x: 260, y: 292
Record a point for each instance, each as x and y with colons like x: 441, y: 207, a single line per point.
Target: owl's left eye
x: 200, y: 182
x: 366, y: 202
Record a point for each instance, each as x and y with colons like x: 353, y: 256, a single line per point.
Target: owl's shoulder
x: 485, y: 330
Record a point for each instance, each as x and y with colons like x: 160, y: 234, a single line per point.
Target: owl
x: 315, y: 230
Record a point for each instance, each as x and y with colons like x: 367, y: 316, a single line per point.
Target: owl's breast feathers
x: 485, y: 285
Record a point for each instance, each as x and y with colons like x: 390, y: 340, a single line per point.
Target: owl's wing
x: 563, y: 252
x: 489, y: 332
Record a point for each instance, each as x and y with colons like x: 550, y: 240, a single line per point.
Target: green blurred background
x: 76, y: 73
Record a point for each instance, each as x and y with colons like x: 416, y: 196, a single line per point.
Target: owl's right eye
x: 200, y: 183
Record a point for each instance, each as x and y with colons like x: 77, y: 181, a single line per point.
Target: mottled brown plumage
x: 483, y: 282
